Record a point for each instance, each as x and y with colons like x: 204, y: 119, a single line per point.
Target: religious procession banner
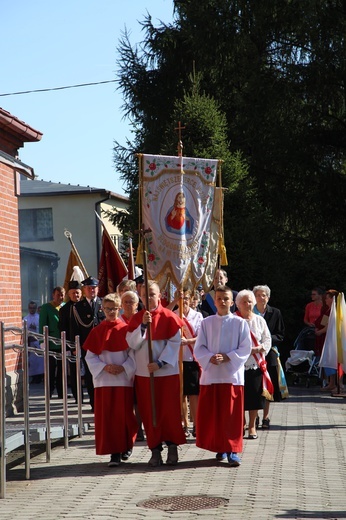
x: 182, y: 207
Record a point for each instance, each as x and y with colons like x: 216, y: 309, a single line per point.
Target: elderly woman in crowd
x: 129, y: 305
x: 261, y: 344
x: 275, y: 322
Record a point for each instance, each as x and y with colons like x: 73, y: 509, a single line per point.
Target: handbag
x: 281, y: 376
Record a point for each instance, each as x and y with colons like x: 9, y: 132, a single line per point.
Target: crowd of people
x: 211, y: 360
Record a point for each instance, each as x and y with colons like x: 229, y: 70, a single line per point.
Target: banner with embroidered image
x: 180, y: 207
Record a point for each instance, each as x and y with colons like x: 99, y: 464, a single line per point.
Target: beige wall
x: 77, y: 214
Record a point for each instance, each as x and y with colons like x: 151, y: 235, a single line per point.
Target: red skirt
x: 220, y: 418
x: 115, y: 423
x: 168, y: 409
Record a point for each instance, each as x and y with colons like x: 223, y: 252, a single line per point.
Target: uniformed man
x: 87, y: 314
x: 66, y: 320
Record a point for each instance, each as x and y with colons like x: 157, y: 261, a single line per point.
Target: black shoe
x: 115, y: 460
x: 140, y: 436
x: 265, y: 424
x: 126, y: 455
x: 172, y: 458
x: 221, y: 456
x: 156, y: 459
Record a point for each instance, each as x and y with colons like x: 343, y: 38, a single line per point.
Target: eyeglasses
x: 129, y: 302
x: 110, y: 309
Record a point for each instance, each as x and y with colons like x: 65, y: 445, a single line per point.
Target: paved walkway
x: 297, y: 469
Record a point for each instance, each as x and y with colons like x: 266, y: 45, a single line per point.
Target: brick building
x: 13, y: 134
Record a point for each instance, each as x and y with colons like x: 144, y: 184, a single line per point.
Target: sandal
x: 265, y: 424
x: 186, y: 431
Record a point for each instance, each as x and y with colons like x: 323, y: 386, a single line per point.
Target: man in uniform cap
x: 87, y: 314
x: 139, y: 280
x: 65, y: 324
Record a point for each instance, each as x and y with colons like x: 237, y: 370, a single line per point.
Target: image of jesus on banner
x: 178, y: 219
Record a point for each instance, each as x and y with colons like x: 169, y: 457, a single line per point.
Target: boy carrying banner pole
x: 165, y: 331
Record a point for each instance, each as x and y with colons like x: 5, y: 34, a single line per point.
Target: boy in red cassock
x: 112, y: 366
x: 166, y: 338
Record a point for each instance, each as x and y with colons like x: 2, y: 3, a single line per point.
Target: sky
x: 47, y: 44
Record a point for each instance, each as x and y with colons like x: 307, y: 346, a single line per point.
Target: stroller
x: 305, y: 339
x: 303, y: 363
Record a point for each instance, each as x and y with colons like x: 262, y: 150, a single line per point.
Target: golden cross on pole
x: 180, y: 143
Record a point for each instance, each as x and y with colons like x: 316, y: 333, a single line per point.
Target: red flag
x: 112, y: 268
x: 131, y: 263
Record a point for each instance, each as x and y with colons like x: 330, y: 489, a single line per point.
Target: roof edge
x: 18, y: 127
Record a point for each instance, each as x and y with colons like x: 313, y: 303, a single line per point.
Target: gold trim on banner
x: 175, y: 171
x: 139, y: 255
x: 218, y: 249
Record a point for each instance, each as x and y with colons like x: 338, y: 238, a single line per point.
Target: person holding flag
x: 165, y: 334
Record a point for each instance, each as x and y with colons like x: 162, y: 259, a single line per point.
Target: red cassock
x: 165, y: 325
x: 220, y: 404
x: 115, y: 423
x: 168, y: 412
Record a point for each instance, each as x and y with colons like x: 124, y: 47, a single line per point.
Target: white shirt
x: 195, y: 319
x: 229, y: 335
x: 101, y: 378
x: 163, y: 350
x: 259, y: 329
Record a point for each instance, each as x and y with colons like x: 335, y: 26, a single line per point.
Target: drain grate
x: 183, y: 503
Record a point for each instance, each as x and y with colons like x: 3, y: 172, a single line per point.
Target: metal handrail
x: 26, y: 404
x: 24, y: 348
x: 3, y: 415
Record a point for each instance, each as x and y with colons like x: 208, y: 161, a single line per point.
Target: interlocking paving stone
x: 296, y: 470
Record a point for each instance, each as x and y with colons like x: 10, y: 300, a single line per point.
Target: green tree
x: 276, y: 70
